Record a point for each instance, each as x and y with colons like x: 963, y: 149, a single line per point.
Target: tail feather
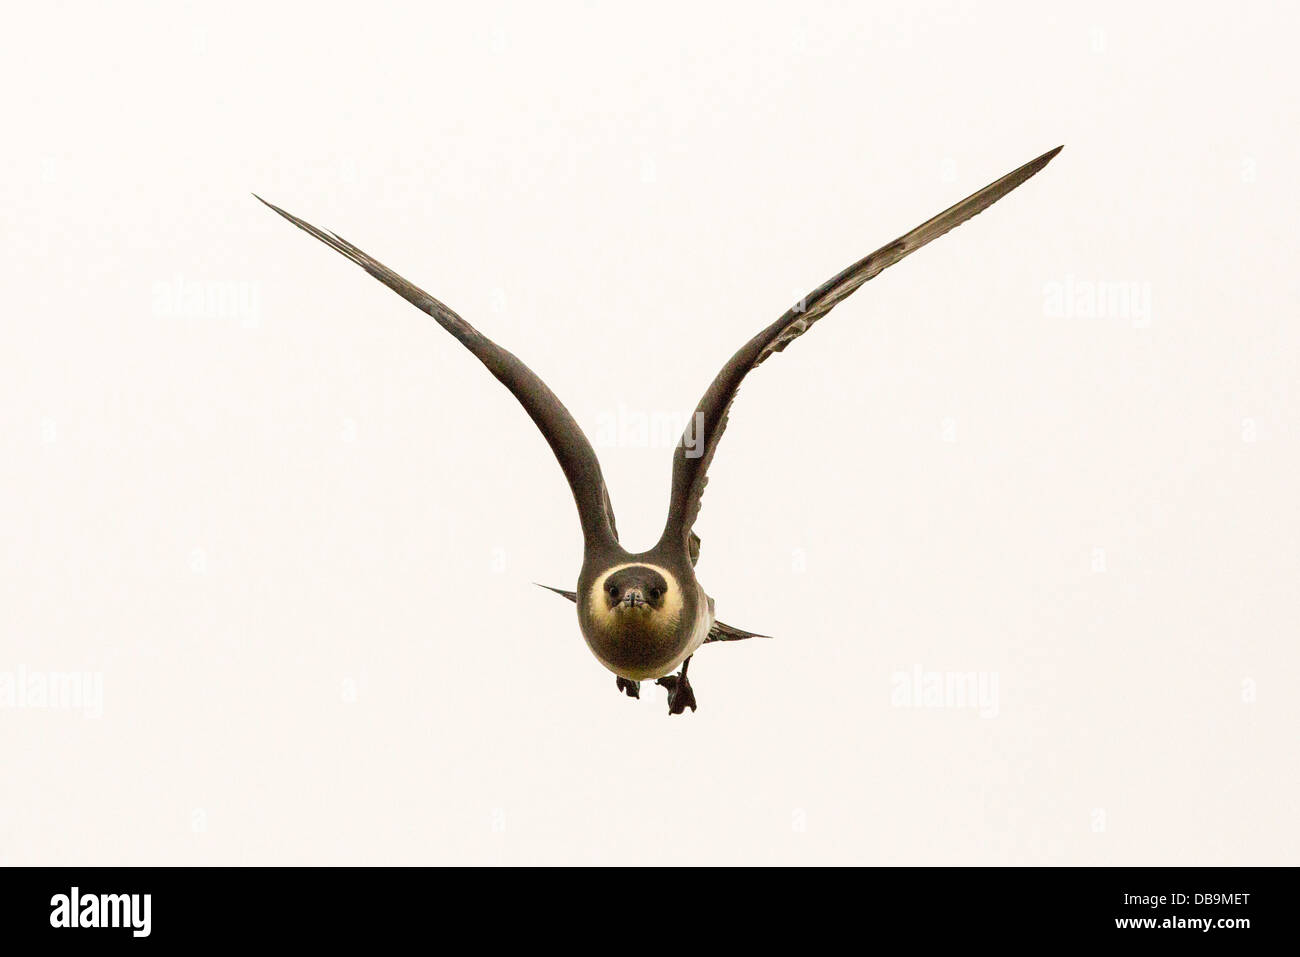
x: 571, y: 595
x: 721, y: 631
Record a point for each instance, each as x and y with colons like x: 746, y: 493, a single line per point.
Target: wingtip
x: 1036, y: 164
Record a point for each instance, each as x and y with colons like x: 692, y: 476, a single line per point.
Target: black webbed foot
x: 680, y: 694
x: 631, y: 688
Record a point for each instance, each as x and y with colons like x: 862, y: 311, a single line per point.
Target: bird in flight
x: 643, y: 614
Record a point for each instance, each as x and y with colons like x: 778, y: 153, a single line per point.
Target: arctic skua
x: 644, y: 614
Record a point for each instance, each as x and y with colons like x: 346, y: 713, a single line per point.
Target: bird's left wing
x: 566, y: 438
x: 690, y: 459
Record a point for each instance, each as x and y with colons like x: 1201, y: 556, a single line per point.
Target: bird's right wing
x: 567, y: 440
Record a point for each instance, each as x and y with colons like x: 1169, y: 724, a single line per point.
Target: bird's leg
x: 680, y: 695
x: 631, y: 688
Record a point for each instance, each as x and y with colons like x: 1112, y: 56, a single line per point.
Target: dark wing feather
x: 567, y: 441
x: 690, y: 474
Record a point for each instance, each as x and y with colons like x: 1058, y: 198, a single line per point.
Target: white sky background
x: 295, y: 537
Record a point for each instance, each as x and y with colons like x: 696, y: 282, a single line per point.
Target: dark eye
x: 612, y: 589
x: 654, y: 594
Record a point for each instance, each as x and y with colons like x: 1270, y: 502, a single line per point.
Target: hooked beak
x: 632, y: 599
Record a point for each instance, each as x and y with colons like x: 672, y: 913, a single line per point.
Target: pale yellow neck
x: 660, y: 620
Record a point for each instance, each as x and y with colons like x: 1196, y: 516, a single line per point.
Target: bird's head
x: 635, y: 590
x: 637, y: 618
